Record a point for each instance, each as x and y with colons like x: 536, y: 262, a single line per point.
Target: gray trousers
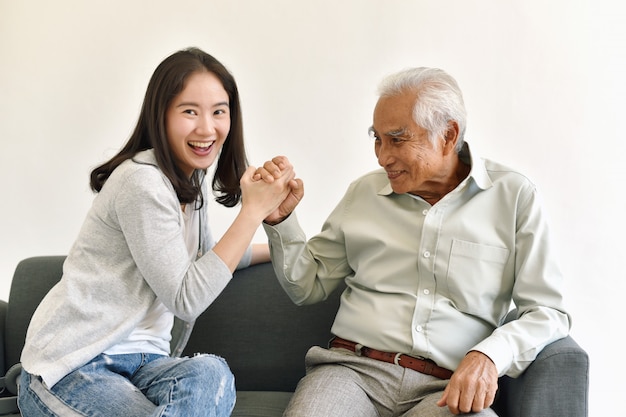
x: 340, y: 383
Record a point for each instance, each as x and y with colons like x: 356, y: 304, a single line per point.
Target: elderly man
x: 435, y: 248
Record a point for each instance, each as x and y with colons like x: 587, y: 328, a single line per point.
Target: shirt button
x: 426, y: 291
x: 418, y: 328
x: 425, y: 212
x: 426, y: 254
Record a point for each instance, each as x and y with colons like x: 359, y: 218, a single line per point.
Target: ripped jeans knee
x: 136, y: 385
x: 202, y: 385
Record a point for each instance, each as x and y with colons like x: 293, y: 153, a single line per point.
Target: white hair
x: 438, y: 99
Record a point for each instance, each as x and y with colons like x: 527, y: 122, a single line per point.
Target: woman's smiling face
x: 197, y: 122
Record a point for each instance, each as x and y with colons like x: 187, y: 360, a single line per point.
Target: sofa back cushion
x: 258, y: 330
x: 32, y: 280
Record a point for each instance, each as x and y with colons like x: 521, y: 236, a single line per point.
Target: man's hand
x: 273, y: 170
x: 473, y: 385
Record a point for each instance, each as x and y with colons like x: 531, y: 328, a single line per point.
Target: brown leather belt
x: 424, y: 366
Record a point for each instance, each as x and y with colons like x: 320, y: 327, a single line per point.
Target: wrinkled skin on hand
x: 473, y: 385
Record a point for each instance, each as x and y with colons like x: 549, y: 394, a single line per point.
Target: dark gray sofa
x: 264, y: 338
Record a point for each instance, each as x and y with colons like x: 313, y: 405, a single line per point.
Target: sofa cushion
x: 260, y: 403
x: 258, y: 330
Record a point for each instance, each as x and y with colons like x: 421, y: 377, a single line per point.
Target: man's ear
x: 451, y: 136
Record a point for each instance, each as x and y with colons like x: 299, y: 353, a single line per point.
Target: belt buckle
x: 398, y: 357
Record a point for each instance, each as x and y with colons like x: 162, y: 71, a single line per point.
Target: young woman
x: 99, y: 343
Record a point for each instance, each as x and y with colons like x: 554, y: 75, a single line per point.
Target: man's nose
x: 384, y: 155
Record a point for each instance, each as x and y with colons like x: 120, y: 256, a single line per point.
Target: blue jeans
x: 134, y: 385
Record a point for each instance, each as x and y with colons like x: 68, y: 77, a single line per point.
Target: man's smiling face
x: 413, y: 164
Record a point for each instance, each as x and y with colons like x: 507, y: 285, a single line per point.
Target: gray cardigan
x: 130, y: 251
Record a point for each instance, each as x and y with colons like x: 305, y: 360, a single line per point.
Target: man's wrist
x: 275, y: 222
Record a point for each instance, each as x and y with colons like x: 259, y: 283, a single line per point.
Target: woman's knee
x: 215, y: 378
x: 202, y: 385
x: 207, y: 368
x: 200, y: 368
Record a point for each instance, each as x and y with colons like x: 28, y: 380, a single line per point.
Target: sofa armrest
x: 555, y: 384
x: 4, y: 306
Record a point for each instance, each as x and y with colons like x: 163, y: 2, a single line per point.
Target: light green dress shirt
x: 434, y: 281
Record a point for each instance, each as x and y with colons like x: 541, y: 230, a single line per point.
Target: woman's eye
x: 190, y: 111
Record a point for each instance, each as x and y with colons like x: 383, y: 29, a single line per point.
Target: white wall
x: 543, y: 82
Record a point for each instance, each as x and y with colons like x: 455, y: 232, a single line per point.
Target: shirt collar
x: 478, y: 171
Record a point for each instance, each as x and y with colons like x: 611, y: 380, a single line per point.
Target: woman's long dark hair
x: 166, y: 83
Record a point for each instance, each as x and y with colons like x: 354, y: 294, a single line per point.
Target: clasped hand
x: 277, y: 182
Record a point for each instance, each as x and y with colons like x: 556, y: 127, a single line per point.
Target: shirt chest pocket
x: 475, y: 278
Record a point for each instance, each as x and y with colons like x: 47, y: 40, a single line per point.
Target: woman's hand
x: 260, y: 198
x: 262, y: 192
x: 277, y: 170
